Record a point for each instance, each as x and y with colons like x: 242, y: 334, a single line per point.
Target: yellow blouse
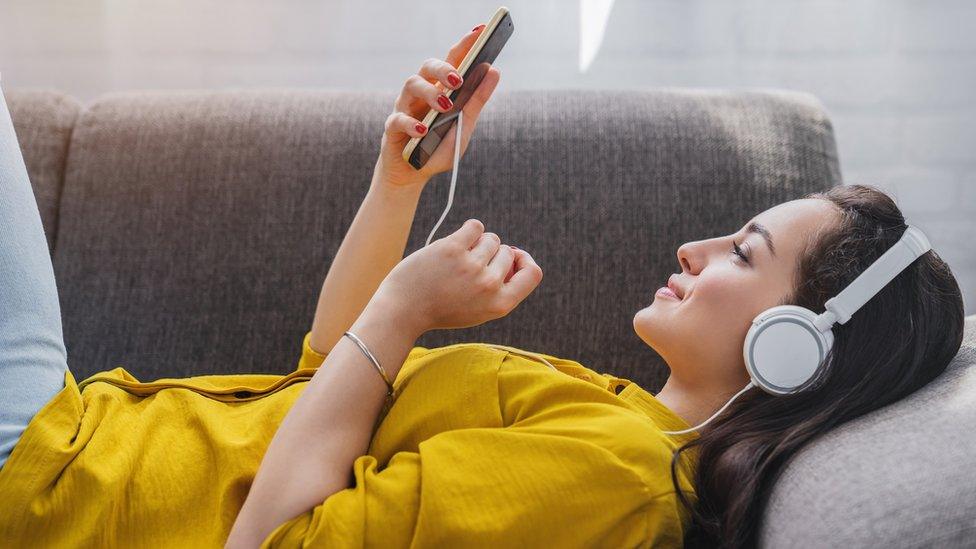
x: 482, y: 447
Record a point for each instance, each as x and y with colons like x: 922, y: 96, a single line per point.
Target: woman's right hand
x: 461, y: 280
x: 420, y: 93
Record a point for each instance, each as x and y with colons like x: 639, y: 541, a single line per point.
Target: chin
x: 651, y: 327
x: 657, y: 322
x: 659, y: 329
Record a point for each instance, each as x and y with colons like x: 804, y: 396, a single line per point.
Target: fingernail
x: 443, y: 101
x: 454, y: 79
x: 478, y: 27
x: 421, y: 128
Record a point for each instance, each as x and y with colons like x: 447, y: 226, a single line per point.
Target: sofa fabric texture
x: 43, y: 122
x: 901, y: 476
x: 191, y: 232
x: 195, y: 229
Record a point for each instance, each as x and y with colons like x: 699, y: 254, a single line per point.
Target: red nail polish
x: 453, y: 79
x: 443, y: 101
x: 421, y: 128
x: 478, y: 27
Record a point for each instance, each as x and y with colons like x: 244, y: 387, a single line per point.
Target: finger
x: 501, y: 263
x: 516, y: 252
x: 469, y: 233
x: 511, y: 271
x: 486, y: 247
x: 416, y: 92
x: 434, y: 70
x: 472, y: 109
x: 481, y: 95
x: 401, y: 127
x: 527, y: 276
x: 457, y: 52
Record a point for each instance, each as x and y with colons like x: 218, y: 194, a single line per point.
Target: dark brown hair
x: 901, y: 339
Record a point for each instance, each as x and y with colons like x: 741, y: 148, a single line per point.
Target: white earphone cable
x: 454, y: 171
x: 450, y: 200
x: 720, y: 410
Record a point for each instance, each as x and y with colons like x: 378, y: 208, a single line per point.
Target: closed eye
x: 738, y: 251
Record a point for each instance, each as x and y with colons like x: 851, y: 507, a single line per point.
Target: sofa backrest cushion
x: 43, y: 121
x: 196, y: 227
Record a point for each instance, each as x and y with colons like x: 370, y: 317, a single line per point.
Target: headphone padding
x: 783, y: 348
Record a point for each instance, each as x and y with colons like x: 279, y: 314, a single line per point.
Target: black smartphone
x: 472, y: 69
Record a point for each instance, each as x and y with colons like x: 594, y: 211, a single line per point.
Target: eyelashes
x: 738, y: 251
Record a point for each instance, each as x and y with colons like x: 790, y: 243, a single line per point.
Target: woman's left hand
x: 419, y: 94
x: 461, y: 280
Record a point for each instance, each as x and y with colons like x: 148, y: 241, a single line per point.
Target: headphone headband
x: 909, y: 247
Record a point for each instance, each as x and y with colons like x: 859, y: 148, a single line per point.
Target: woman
x: 479, y: 446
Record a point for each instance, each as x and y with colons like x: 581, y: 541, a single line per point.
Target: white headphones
x: 786, y: 344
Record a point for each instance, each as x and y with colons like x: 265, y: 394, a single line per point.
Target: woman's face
x: 700, y: 333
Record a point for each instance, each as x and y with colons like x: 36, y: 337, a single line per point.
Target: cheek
x: 730, y: 303
x: 720, y: 297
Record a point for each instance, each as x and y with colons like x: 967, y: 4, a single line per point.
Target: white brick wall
x: 897, y: 76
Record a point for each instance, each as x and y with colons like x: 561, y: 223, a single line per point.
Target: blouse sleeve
x: 481, y: 487
x: 310, y: 358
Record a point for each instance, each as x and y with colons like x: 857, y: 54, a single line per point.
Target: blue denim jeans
x: 33, y: 359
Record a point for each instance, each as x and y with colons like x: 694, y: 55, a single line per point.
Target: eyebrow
x: 760, y: 229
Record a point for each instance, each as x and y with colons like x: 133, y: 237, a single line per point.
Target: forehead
x: 791, y: 223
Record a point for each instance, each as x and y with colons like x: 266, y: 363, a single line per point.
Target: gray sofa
x: 190, y: 233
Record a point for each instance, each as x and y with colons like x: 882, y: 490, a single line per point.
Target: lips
x: 678, y: 290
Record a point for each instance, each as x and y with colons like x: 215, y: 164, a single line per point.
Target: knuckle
x: 412, y: 80
x: 495, y: 283
x: 473, y: 266
x: 453, y: 249
x: 429, y: 64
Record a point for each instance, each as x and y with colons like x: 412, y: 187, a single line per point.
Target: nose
x: 694, y: 256
x: 687, y: 257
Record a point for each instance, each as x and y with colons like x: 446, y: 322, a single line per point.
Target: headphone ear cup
x: 783, y: 349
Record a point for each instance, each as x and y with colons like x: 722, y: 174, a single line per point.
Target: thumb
x: 481, y: 95
x: 527, y: 276
x: 512, y: 270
